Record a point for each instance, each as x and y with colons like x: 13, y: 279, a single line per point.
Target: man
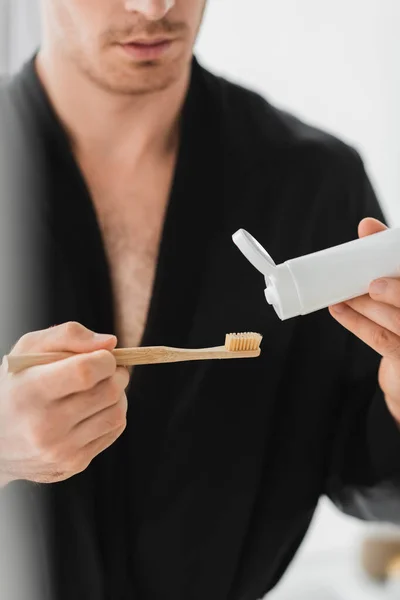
x: 140, y: 165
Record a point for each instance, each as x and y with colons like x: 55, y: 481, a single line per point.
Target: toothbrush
x: 237, y: 345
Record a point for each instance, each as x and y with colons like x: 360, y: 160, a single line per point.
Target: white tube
x: 309, y: 283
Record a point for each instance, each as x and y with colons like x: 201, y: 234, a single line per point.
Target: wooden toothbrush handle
x: 163, y: 354
x: 16, y: 363
x: 125, y: 357
x: 130, y: 356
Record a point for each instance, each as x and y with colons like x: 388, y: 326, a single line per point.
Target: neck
x: 120, y: 125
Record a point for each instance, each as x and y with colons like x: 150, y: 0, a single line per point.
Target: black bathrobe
x: 210, y: 490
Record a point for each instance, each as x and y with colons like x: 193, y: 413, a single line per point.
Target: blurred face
x: 124, y: 46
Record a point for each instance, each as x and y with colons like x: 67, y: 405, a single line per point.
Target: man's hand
x: 375, y: 319
x: 54, y: 419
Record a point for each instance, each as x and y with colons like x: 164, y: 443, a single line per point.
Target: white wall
x: 335, y: 64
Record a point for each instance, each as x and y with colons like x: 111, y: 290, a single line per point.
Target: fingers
x: 57, y: 417
x: 95, y: 447
x: 69, y: 376
x: 384, y: 315
x: 370, y: 226
x: 386, y: 291
x: 54, y: 436
x: 79, y: 407
x: 78, y: 462
x: 380, y: 339
x: 68, y: 337
x: 102, y: 423
x: 389, y: 381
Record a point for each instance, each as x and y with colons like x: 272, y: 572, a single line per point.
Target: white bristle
x: 243, y: 342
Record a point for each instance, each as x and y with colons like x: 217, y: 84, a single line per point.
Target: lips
x: 147, y: 49
x: 148, y: 41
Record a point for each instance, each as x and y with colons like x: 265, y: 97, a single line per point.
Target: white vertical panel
x: 19, y: 32
x: 24, y: 31
x: 4, y: 35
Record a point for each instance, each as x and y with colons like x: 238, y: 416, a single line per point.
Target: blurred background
x: 337, y: 66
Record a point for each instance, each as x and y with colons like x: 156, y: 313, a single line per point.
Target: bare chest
x: 131, y: 214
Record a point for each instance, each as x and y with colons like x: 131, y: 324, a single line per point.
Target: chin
x: 139, y: 79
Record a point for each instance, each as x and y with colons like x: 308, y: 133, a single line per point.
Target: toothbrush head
x: 241, y: 342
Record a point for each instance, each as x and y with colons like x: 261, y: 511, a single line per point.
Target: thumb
x: 68, y: 337
x: 370, y: 226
